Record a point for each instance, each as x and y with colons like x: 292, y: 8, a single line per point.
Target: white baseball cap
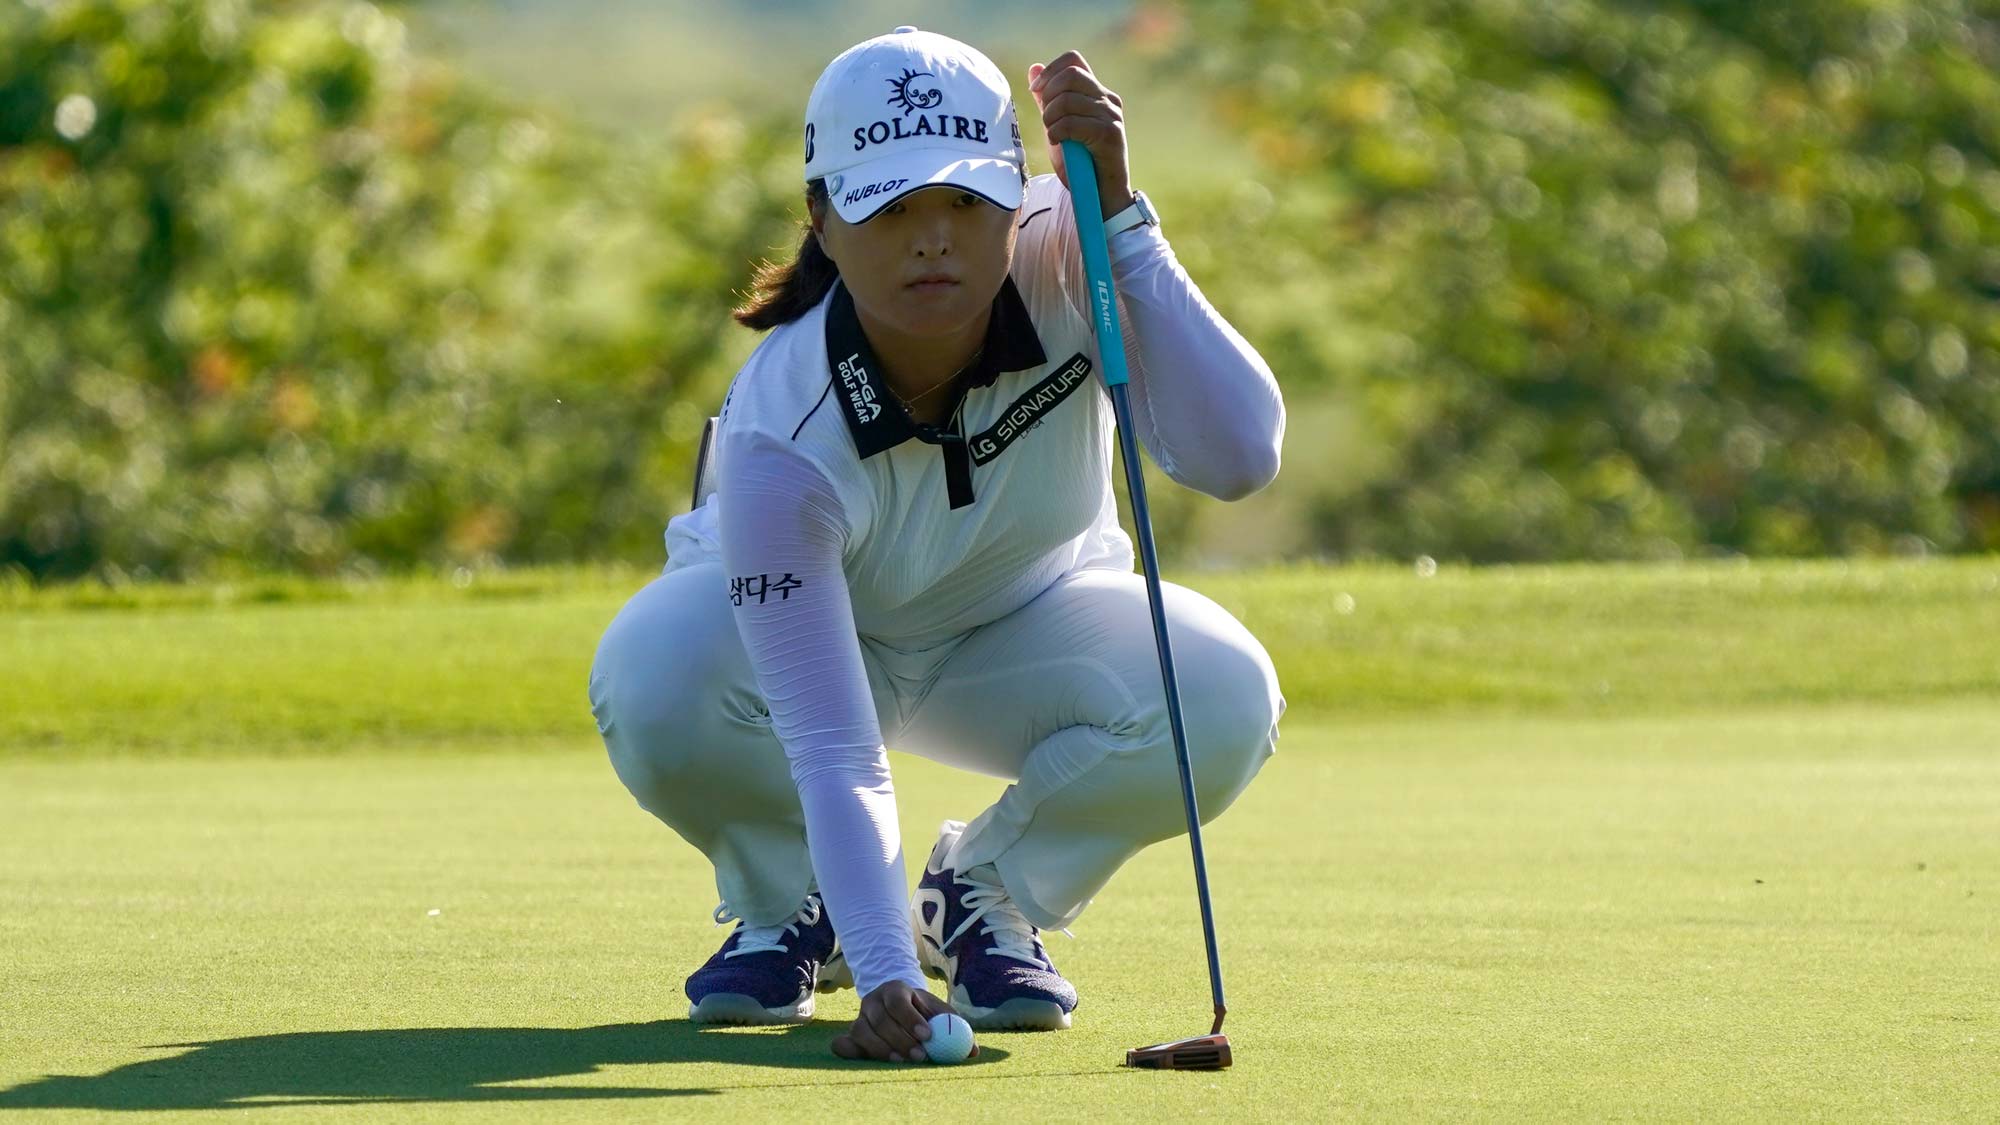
x: 909, y: 110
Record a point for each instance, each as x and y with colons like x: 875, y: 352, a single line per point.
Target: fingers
x: 933, y: 1005
x: 1076, y: 106
x: 1079, y: 117
x: 897, y: 1024
x: 1066, y: 67
x: 1075, y: 103
x: 1067, y: 73
x: 870, y: 1044
x: 892, y: 1026
x: 1094, y: 132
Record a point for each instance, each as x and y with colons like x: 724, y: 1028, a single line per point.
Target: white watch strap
x: 1136, y: 213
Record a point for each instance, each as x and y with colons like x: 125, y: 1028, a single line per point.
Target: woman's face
x: 927, y: 265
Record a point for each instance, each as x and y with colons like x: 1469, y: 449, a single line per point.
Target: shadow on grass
x: 437, y: 1064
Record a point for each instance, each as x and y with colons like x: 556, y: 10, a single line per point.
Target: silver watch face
x: 1145, y: 207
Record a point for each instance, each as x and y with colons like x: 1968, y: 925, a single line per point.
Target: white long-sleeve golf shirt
x: 838, y: 517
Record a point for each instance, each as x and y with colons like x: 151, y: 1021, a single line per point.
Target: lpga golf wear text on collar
x: 894, y: 540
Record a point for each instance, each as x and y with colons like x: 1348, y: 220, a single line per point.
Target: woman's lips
x: 932, y: 284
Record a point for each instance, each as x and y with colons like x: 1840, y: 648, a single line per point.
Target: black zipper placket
x: 957, y: 460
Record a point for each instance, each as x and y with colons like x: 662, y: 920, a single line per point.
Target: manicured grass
x: 359, y: 845
x: 290, y: 665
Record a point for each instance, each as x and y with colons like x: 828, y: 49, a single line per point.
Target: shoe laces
x: 1013, y: 935
x: 765, y: 939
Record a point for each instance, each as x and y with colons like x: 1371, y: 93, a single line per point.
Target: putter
x: 704, y: 467
x: 1203, y: 1052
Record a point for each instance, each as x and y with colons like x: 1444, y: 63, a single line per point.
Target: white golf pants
x: 1062, y: 698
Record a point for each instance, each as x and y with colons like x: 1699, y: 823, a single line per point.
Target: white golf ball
x: 950, y: 1041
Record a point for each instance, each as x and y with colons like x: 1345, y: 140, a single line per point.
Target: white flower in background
x: 75, y: 115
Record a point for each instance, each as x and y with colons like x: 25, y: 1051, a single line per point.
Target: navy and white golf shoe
x: 768, y: 974
x: 971, y: 936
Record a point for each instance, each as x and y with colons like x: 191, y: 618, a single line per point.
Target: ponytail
x: 780, y: 294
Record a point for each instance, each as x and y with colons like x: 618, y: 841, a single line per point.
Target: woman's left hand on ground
x: 1077, y: 107
x: 894, y: 1022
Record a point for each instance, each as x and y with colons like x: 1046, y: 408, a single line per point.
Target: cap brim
x: 867, y: 188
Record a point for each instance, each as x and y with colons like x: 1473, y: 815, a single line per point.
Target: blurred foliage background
x: 339, y: 288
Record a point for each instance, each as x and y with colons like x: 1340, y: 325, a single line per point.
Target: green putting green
x: 1716, y: 842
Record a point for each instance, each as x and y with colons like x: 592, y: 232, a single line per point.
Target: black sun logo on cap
x: 907, y: 99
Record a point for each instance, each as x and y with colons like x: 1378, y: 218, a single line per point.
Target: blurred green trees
x: 1615, y: 279
x: 276, y: 294
x: 1542, y: 279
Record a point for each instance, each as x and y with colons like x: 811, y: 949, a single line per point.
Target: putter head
x: 1203, y: 1052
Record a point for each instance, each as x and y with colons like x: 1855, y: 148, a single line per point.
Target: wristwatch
x: 1140, y: 213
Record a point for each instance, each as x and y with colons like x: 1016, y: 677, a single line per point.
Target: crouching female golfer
x: 914, y: 542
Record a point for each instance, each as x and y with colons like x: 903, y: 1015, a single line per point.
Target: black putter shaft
x: 1135, y: 483
x: 1081, y: 176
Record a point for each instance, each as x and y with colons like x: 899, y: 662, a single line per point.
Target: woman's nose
x: 934, y: 241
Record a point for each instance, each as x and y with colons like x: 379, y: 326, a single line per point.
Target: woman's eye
x: 966, y: 199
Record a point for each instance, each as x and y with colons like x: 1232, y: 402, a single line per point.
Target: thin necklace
x: 909, y: 402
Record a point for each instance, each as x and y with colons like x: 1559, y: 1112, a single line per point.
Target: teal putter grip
x: 1096, y: 259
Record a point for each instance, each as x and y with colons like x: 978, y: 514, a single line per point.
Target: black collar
x: 874, y: 417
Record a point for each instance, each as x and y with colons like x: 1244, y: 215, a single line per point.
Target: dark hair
x: 782, y: 293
